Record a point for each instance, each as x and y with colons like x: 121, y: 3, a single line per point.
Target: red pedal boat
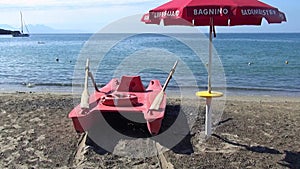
x: 127, y: 95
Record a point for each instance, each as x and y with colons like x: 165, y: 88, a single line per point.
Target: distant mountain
x: 7, y: 32
x: 7, y: 27
x: 46, y: 29
x: 39, y: 29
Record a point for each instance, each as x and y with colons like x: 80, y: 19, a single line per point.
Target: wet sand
x: 254, y: 132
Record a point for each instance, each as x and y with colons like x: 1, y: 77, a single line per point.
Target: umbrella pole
x: 209, y: 99
x: 210, y: 55
x: 209, y: 94
x: 208, y: 122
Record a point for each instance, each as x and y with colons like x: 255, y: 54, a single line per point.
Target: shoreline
x: 170, y: 90
x: 238, y: 97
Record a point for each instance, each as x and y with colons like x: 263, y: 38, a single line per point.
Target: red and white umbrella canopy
x: 223, y: 12
x: 213, y: 13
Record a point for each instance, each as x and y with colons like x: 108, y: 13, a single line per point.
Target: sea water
x: 254, y: 64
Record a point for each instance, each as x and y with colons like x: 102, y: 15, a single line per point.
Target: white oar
x: 158, y: 99
x: 84, y: 104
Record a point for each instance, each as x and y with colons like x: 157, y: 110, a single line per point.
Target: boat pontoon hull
x: 125, y: 96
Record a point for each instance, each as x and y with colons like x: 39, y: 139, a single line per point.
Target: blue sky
x: 91, y: 15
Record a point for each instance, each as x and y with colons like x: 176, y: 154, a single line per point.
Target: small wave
x: 57, y: 84
x: 256, y: 40
x: 262, y: 89
x: 173, y: 87
x: 49, y: 84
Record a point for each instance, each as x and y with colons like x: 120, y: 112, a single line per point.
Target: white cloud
x: 91, y: 15
x: 66, y: 3
x: 87, y: 15
x: 26, y: 3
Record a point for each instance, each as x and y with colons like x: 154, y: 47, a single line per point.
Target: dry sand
x: 255, y: 132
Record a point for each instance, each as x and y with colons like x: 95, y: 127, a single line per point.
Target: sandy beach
x: 255, y: 132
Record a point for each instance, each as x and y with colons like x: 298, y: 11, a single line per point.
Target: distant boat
x: 21, y: 33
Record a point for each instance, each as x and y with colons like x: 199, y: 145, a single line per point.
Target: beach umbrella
x: 213, y: 13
